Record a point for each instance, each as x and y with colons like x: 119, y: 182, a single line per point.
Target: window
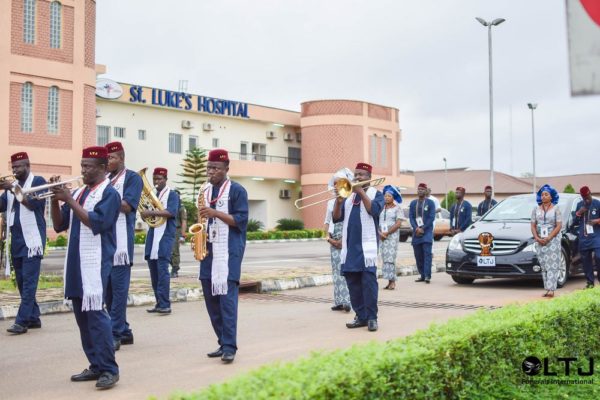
x: 119, y: 132
x: 215, y: 143
x: 141, y: 134
x: 244, y: 151
x: 52, y: 123
x: 373, y: 148
x: 193, y: 142
x: 294, y: 155
x: 175, y: 143
x: 384, y: 142
x: 29, y: 21
x: 102, y: 135
x: 27, y: 107
x: 55, y: 22
x: 259, y: 151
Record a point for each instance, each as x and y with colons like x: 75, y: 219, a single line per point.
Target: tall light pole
x: 489, y: 25
x: 446, y: 183
x: 532, y: 107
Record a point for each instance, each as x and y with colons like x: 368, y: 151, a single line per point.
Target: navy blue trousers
x: 96, y: 338
x: 27, y: 272
x: 222, y: 311
x: 423, y: 257
x: 116, y: 300
x: 588, y: 263
x: 161, y: 280
x: 363, y: 293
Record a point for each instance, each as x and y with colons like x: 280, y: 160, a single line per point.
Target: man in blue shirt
x: 488, y: 203
x: 159, y: 241
x: 27, y: 238
x: 129, y: 186
x: 360, y: 213
x: 226, y: 211
x: 422, y: 216
x: 587, y: 217
x: 461, y: 213
x: 90, y: 214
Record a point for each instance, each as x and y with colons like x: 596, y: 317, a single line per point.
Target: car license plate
x: 487, y: 261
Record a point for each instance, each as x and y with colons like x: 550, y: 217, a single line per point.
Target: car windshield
x: 519, y: 208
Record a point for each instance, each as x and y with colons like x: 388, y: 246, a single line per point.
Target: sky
x: 427, y: 58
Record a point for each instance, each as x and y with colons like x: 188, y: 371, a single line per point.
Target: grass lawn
x: 45, y: 282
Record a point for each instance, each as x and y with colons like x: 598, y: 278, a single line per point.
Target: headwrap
x: 160, y: 171
x: 394, y: 191
x: 584, y: 191
x: 547, y: 188
x: 422, y: 185
x: 19, y: 156
x: 95, y: 152
x: 364, y: 167
x: 114, y: 147
x: 218, y: 155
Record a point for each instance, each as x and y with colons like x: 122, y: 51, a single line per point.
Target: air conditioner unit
x: 207, y: 127
x: 284, y: 194
x: 187, y: 124
x: 288, y: 137
x: 270, y: 135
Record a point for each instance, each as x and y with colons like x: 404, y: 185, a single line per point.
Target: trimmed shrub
x: 61, y: 241
x: 287, y: 224
x: 254, y: 225
x: 140, y: 238
x: 479, y: 356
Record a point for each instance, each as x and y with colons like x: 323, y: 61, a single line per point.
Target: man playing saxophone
x: 226, y: 209
x: 26, y: 234
x: 159, y: 241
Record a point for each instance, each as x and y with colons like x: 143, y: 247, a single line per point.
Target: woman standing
x: 389, y: 224
x: 546, y: 223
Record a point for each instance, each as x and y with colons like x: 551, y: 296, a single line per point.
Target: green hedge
x: 298, y: 234
x: 478, y: 356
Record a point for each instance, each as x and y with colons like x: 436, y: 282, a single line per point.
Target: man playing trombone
x: 360, y: 214
x: 26, y: 234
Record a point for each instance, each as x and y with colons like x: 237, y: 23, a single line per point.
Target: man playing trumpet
x: 26, y: 234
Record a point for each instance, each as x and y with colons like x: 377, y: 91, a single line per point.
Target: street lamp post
x: 446, y: 183
x: 489, y: 25
x: 532, y: 107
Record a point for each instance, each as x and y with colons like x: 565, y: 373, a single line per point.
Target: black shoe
x: 152, y: 310
x: 420, y: 280
x: 85, y: 375
x: 339, y: 307
x: 228, y: 357
x: 107, y: 380
x: 17, y: 329
x: 116, y: 344
x: 356, y: 324
x: 164, y: 311
x: 126, y: 340
x: 174, y: 275
x: 215, y: 354
x: 347, y: 308
x: 427, y: 280
x: 590, y: 285
x: 372, y: 325
x: 34, y: 325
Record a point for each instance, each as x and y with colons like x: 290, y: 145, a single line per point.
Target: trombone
x: 344, y: 189
x: 20, y: 193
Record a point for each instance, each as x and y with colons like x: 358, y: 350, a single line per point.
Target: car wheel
x: 461, y: 280
x: 563, y: 269
x: 437, y: 238
x: 403, y: 238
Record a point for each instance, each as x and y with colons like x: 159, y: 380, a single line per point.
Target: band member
x: 461, y: 213
x: 159, y: 242
x: 422, y: 215
x: 488, y: 203
x: 226, y: 207
x: 360, y: 214
x: 129, y: 186
x: 587, y: 217
x: 90, y: 214
x: 26, y: 235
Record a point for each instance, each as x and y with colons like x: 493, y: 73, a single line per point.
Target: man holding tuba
x: 26, y: 234
x: 159, y: 241
x: 360, y: 214
x: 129, y: 186
x: 226, y: 208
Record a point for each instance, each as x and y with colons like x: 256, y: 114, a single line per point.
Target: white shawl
x: 163, y: 197
x: 122, y: 253
x: 90, y: 252
x: 369, y: 233
x: 31, y: 233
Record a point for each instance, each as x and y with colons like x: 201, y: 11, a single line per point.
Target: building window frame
x: 175, y: 143
x: 27, y: 107
x: 55, y: 24
x: 373, y: 150
x: 29, y: 8
x: 119, y: 132
x: 384, y: 143
x: 215, y: 143
x: 141, y: 134
x: 53, y: 110
x: 192, y: 142
x: 102, y: 135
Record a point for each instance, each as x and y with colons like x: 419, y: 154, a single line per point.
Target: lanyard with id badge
x: 545, y: 228
x: 418, y: 219
x: 213, y: 227
x: 589, y: 228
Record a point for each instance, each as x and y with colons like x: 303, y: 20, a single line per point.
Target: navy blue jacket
x: 426, y: 210
x: 461, y: 218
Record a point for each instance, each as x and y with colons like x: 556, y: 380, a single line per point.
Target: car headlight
x: 455, y: 242
x: 531, y: 248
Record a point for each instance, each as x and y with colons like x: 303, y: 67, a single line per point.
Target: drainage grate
x: 384, y: 303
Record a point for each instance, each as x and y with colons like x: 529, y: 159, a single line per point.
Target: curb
x: 195, y: 294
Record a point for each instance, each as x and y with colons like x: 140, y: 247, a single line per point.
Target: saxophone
x: 200, y: 229
x: 149, y: 201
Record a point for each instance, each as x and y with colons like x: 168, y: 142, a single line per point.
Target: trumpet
x: 344, y: 188
x: 20, y: 193
x: 7, y: 178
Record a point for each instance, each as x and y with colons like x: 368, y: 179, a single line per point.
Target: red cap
x: 422, y: 185
x: 160, y: 171
x: 113, y: 147
x: 364, y: 167
x: 218, y: 155
x: 19, y: 156
x: 460, y: 188
x: 584, y: 191
x: 487, y: 187
x: 95, y: 152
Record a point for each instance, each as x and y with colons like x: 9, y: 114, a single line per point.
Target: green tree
x: 569, y: 189
x: 451, y: 200
x: 194, y: 172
